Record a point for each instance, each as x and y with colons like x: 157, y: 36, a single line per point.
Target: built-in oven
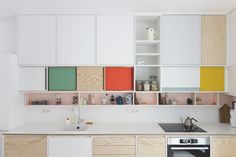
x: 188, y: 147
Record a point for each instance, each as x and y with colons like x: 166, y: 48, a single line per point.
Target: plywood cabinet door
x: 90, y: 78
x: 76, y: 36
x: 115, y: 39
x: 37, y: 39
x: 181, y: 39
x: 151, y: 147
x: 25, y: 146
x: 232, y: 79
x: 213, y: 40
x: 185, y: 78
x: 32, y: 79
x: 223, y: 146
x: 69, y: 146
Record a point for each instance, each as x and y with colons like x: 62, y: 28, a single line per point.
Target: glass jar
x: 146, y: 85
x: 139, y: 86
x: 154, y: 86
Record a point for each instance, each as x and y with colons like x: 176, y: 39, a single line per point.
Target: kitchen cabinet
x: 232, y: 39
x: 32, y: 79
x: 64, y: 146
x: 212, y: 79
x: 37, y: 39
x: 223, y: 146
x: 185, y: 78
x: 90, y: 78
x: 25, y: 146
x: 118, y: 78
x: 62, y: 79
x: 181, y: 39
x: 151, y: 146
x: 213, y: 40
x: 115, y: 39
x: 76, y: 38
x: 114, y: 146
x: 231, y: 79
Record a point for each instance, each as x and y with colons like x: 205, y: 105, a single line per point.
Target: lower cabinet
x: 223, y: 146
x: 115, y: 146
x: 69, y: 146
x: 25, y: 146
x: 151, y: 146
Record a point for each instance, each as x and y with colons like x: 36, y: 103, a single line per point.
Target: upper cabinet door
x: 213, y: 40
x: 232, y: 32
x: 115, y: 39
x: 37, y: 39
x: 181, y: 39
x: 76, y: 36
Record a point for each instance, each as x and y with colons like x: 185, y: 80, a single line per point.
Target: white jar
x: 146, y: 86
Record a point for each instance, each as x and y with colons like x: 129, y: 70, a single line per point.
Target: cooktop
x: 179, y: 127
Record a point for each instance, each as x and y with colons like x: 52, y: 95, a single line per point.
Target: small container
x: 139, y: 86
x: 154, y: 86
x: 146, y: 85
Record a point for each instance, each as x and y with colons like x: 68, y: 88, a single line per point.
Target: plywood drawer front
x: 151, y: 146
x: 223, y: 146
x: 25, y: 146
x: 114, y: 156
x: 114, y: 150
x: 90, y: 78
x: 113, y: 141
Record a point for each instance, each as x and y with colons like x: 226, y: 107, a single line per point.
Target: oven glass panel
x: 183, y: 152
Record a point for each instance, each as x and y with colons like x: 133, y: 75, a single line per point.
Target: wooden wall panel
x: 90, y: 78
x: 25, y: 146
x: 213, y: 40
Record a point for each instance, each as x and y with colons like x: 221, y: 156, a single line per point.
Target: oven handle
x: 189, y: 148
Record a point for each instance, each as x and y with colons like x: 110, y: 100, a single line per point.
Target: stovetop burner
x: 179, y: 127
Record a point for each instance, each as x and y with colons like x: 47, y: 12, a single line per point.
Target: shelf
x: 147, y: 42
x: 147, y: 54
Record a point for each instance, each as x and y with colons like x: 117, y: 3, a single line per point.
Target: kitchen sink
x: 79, y: 127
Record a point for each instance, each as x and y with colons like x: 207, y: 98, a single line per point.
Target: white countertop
x: 118, y: 128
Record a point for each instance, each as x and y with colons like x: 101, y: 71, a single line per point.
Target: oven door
x: 188, y: 151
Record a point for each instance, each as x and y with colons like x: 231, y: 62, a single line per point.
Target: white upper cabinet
x: 115, y: 39
x: 32, y: 79
x: 181, y: 40
x: 180, y: 78
x: 76, y: 40
x: 36, y: 39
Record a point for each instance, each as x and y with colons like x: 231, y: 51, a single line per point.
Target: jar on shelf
x: 154, y: 86
x: 146, y: 85
x: 139, y: 86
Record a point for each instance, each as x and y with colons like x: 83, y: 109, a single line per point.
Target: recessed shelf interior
x: 207, y: 99
x: 106, y: 98
x: 144, y: 22
x: 176, y: 99
x: 51, y: 98
x: 147, y: 60
x: 146, y: 99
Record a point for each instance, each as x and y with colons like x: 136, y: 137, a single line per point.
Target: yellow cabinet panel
x: 212, y: 79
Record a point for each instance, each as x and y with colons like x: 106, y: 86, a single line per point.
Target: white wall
x: 124, y: 113
x: 127, y: 5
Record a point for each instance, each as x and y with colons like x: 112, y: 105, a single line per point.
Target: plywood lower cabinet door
x: 25, y: 146
x: 223, y: 146
x: 151, y: 146
x: 115, y: 146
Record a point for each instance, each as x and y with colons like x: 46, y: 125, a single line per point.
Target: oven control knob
x: 188, y: 141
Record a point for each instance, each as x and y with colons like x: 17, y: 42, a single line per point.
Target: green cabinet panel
x: 62, y: 79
